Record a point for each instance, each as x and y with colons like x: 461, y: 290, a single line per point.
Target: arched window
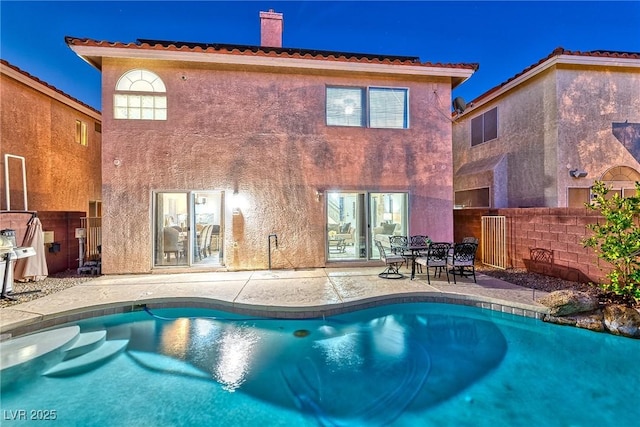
x: 140, y: 95
x: 621, y: 180
x: 621, y: 173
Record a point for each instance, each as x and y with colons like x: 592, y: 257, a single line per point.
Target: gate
x: 494, y: 241
x: 93, y: 227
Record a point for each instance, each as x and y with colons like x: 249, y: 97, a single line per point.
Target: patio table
x: 414, y: 253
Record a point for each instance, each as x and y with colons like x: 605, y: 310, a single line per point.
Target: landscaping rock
x: 564, y: 321
x: 567, y: 302
x: 593, y: 322
x: 622, y: 320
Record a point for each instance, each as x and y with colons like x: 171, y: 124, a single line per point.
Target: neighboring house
x: 542, y: 138
x: 51, y: 141
x: 214, y: 154
x: 51, y: 163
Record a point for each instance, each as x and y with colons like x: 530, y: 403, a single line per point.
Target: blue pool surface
x: 402, y: 365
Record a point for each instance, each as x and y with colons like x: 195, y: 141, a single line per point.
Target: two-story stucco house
x: 50, y: 144
x: 44, y: 130
x: 543, y: 137
x: 266, y: 156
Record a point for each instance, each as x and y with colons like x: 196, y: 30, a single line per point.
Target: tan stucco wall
x: 558, y: 120
x: 526, y: 132
x: 264, y: 134
x: 588, y: 102
x: 61, y: 174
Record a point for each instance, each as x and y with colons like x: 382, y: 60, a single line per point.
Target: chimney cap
x: 271, y: 14
x: 271, y: 29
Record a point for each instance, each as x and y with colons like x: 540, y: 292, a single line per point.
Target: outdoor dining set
x: 457, y: 259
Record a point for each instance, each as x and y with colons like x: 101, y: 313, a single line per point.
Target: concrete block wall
x: 556, y: 231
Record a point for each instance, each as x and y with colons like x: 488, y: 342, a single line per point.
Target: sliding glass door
x: 389, y: 217
x: 355, y: 219
x: 188, y: 228
x: 172, y: 219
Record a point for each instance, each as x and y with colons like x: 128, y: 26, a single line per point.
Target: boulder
x: 567, y: 302
x: 564, y: 321
x: 622, y: 320
x: 593, y: 322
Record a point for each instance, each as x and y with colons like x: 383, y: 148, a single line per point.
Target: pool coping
x: 325, y: 292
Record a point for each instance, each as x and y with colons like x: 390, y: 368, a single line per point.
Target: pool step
x: 166, y: 364
x: 86, y: 342
x: 88, y: 361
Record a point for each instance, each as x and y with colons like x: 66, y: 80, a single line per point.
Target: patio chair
x: 392, y: 263
x: 205, y: 241
x: 398, y: 246
x: 470, y: 240
x: 171, y: 243
x: 436, y: 258
x: 215, y: 234
x: 462, y: 260
x: 419, y: 240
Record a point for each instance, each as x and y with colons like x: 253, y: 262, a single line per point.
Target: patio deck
x: 273, y: 293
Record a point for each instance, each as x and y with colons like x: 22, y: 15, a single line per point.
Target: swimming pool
x: 404, y: 365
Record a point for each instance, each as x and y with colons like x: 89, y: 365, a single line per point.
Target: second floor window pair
x: 373, y: 107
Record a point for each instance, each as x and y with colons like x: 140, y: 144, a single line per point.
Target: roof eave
x: 50, y: 91
x: 553, y: 61
x: 94, y: 54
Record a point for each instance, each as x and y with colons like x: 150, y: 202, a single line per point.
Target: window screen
x: 484, y: 127
x: 344, y: 106
x: 387, y: 108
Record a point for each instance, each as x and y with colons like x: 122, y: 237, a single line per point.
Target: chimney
x: 270, y: 29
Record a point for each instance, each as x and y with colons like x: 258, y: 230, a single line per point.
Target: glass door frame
x: 183, y: 212
x: 368, y: 214
x: 387, y: 208
x: 177, y: 215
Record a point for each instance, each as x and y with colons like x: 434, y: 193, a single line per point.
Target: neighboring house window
x: 578, y: 197
x: 478, y: 198
x: 140, y: 95
x: 621, y: 173
x: 484, y: 127
x: 81, y: 133
x: 386, y: 108
x: 621, y: 180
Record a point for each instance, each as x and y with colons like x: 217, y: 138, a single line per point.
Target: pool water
x: 400, y: 365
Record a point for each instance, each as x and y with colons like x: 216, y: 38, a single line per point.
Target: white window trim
x: 365, y: 121
x: 140, y: 95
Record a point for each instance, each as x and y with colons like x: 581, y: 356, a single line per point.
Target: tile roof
x: 294, y: 53
x: 43, y: 83
x: 558, y: 52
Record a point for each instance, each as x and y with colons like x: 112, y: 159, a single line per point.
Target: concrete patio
x: 273, y: 293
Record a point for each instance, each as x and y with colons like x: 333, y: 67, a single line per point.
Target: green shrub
x: 617, y: 239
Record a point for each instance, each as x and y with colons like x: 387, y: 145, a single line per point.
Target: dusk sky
x: 504, y: 37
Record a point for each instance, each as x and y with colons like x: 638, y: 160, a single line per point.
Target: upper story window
x: 81, y: 133
x: 140, y: 95
x: 374, y: 107
x: 484, y: 127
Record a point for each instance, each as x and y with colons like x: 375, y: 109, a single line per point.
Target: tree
x: 617, y: 239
